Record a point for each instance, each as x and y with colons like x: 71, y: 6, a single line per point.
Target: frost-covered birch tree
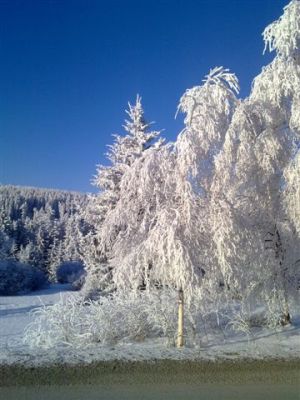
x: 164, y: 195
x: 263, y: 138
x: 291, y: 206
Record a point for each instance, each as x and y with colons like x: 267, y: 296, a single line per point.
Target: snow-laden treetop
x: 216, y: 94
x: 283, y: 35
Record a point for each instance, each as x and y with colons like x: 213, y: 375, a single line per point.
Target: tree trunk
x: 279, y: 254
x: 180, y: 319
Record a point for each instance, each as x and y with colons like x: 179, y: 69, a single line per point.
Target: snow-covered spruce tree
x: 122, y: 155
x: 5, y: 245
x: 247, y: 208
x: 69, y: 247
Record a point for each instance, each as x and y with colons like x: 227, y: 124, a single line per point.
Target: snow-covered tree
x: 122, y: 154
x: 247, y: 210
x: 291, y: 206
x: 291, y: 194
x: 5, y: 245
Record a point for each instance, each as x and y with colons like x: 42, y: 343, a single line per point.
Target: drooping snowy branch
x: 283, y: 35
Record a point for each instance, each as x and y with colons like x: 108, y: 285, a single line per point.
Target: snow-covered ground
x: 15, y: 316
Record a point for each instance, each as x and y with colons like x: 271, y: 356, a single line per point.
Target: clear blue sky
x: 68, y: 69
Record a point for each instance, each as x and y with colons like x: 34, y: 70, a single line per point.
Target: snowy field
x: 15, y: 315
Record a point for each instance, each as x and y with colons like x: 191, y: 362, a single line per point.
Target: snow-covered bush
x: 124, y: 316
x: 17, y: 278
x: 71, y: 272
x: 135, y: 316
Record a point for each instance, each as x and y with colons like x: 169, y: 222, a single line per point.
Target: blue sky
x: 68, y: 69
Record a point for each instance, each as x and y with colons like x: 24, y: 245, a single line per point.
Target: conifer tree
x: 122, y: 154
